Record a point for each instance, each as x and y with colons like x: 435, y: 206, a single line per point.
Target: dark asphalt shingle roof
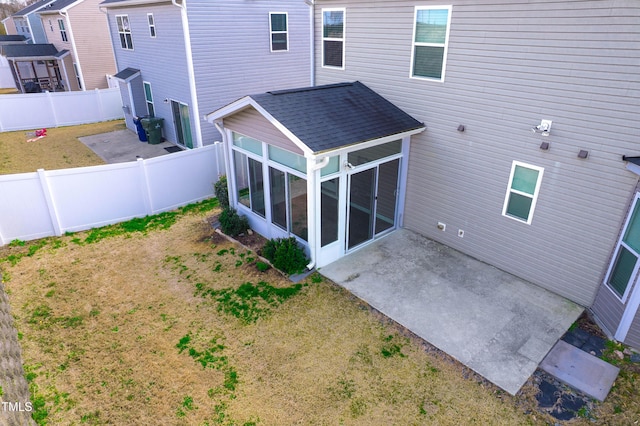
x: 57, y: 6
x: 12, y: 38
x: 29, y: 50
x: 31, y: 8
x: 336, y: 115
x: 126, y: 73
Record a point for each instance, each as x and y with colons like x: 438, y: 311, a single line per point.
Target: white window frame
x: 63, y: 31
x: 152, y: 25
x: 343, y: 39
x: 123, y: 43
x: 147, y: 101
x: 534, y: 197
x: 272, y: 32
x: 621, y: 243
x: 449, y: 8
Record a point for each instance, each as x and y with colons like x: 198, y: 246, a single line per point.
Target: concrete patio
x: 122, y: 146
x: 491, y: 321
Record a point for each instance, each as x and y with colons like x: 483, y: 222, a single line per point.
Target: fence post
x: 53, y: 108
x: 144, y: 184
x: 100, y: 106
x: 51, y: 205
x: 2, y: 242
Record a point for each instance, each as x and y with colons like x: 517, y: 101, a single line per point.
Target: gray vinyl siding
x: 232, y: 57
x: 633, y: 337
x: 161, y: 60
x: 251, y: 123
x: 509, y: 65
x: 37, y: 30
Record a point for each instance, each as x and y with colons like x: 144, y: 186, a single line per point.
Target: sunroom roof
x: 332, y: 116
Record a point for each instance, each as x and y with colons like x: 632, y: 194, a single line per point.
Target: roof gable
x: 328, y: 117
x: 32, y: 8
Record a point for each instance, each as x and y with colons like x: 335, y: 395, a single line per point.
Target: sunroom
x: 324, y: 164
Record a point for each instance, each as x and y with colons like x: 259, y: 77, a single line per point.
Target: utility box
x: 153, y: 128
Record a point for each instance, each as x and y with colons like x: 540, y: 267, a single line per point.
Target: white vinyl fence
x: 26, y: 111
x: 47, y: 203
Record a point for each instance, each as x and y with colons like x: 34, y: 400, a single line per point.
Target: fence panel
x: 35, y: 110
x: 23, y: 208
x: 47, y: 203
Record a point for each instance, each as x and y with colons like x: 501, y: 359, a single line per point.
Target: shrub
x: 233, y: 224
x: 286, y: 255
x: 222, y: 192
x: 262, y: 266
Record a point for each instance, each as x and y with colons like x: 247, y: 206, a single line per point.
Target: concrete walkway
x: 122, y: 146
x: 493, y: 322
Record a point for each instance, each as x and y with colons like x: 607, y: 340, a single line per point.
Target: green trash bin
x: 154, y: 129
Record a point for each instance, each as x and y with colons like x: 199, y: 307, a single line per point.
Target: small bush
x: 233, y: 224
x: 222, y: 192
x: 286, y: 255
x: 262, y: 266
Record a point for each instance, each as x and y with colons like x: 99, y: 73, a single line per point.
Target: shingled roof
x: 336, y: 115
x: 32, y: 51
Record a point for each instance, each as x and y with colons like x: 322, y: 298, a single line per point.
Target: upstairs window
x: 124, y: 31
x: 63, y: 31
x: 333, y: 38
x: 279, y: 33
x: 522, y: 192
x: 430, y: 42
x: 152, y: 25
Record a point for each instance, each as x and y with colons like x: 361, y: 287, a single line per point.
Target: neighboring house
x: 26, y: 22
x: 81, y: 27
x: 529, y: 108
x: 38, y: 67
x: 181, y: 60
x: 7, y: 80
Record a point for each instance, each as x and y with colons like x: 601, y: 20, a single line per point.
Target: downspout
x: 113, y: 52
x: 190, y: 70
x: 312, y: 57
x: 75, y: 52
x: 312, y: 217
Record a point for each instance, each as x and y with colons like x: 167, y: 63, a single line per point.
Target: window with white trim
x: 152, y: 25
x: 278, y: 27
x: 63, y: 31
x: 624, y: 266
x: 522, y: 192
x: 148, y: 96
x: 430, y: 42
x: 333, y: 29
x: 124, y: 31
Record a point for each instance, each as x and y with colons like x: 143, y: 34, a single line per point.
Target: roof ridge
x: 309, y: 89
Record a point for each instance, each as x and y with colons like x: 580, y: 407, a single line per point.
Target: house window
x: 50, y: 25
x: 279, y: 33
x: 288, y: 193
x: 333, y: 38
x: 430, y: 42
x: 63, y: 31
x: 152, y: 25
x: 124, y: 31
x: 625, y: 265
x: 522, y: 192
x: 77, y: 73
x: 148, y: 96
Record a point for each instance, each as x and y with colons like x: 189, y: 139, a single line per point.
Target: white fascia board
x: 246, y: 102
x: 131, y: 3
x: 370, y: 143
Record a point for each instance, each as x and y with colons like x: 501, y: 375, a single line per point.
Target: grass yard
x: 163, y: 321
x: 58, y: 150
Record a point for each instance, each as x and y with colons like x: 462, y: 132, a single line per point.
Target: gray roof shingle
x: 29, y: 50
x: 336, y: 115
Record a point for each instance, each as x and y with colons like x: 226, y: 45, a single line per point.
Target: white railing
x: 46, y: 203
x: 26, y: 111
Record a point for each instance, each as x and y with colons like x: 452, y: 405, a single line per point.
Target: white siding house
x: 529, y: 108
x: 196, y: 56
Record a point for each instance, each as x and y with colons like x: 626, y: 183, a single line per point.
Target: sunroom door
x: 373, y: 198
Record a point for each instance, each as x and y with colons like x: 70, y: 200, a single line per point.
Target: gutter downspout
x: 190, y: 71
x: 312, y: 57
x: 313, y: 220
x: 75, y: 52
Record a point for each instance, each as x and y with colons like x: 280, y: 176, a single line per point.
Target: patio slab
x: 500, y: 326
x: 122, y: 146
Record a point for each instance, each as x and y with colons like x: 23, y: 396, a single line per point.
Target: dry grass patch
x: 178, y: 326
x: 59, y: 149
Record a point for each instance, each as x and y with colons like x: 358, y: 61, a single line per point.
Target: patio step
x: 580, y: 370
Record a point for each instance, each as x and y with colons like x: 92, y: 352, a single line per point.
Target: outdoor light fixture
x: 348, y: 165
x: 544, y: 128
